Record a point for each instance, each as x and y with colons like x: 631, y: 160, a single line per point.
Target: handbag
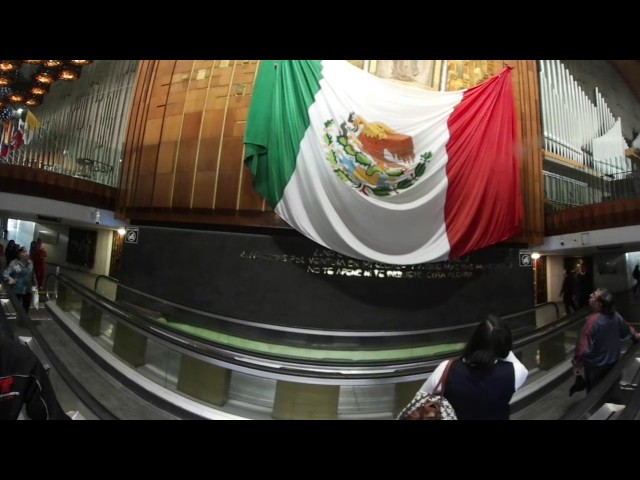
x: 430, y: 406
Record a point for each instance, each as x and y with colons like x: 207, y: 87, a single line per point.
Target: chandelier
x: 27, y: 82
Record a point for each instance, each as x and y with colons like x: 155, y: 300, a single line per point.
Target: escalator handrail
x: 632, y: 409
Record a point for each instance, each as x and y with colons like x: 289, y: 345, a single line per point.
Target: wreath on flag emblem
x: 372, y: 157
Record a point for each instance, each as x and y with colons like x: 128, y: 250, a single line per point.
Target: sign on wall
x: 525, y: 259
x: 131, y: 234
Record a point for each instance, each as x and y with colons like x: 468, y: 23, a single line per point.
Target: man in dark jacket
x: 600, y: 342
x: 25, y: 383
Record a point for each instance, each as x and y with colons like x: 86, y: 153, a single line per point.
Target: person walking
x: 600, y: 341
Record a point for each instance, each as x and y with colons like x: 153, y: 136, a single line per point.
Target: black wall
x: 286, y: 279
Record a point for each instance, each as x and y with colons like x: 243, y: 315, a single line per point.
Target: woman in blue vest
x: 480, y: 384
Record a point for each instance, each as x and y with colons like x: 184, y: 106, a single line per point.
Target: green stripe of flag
x: 277, y: 122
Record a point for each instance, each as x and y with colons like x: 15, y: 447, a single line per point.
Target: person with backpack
x: 480, y: 384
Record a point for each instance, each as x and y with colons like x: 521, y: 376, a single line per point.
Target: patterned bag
x: 430, y: 406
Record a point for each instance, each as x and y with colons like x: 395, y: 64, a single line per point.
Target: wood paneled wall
x: 183, y: 160
x: 184, y: 152
x: 527, y: 100
x: 618, y: 213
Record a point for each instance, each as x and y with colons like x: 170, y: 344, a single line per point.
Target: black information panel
x: 289, y: 280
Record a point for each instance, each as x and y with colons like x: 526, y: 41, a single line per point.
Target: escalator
x: 166, y: 373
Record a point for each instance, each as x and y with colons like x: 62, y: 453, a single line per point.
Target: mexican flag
x: 381, y: 171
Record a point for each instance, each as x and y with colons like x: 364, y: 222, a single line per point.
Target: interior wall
x: 57, y: 253
x: 632, y: 259
x: 286, y: 279
x: 555, y: 276
x: 612, y: 271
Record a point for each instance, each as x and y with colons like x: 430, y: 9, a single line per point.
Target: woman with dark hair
x: 600, y: 342
x: 481, y: 383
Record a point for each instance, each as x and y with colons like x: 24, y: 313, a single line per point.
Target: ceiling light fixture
x: 10, y: 65
x: 69, y: 73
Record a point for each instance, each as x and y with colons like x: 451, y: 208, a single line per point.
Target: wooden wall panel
x: 41, y: 183
x: 168, y: 147
x: 229, y: 173
x: 143, y: 193
x: 525, y: 89
x: 162, y: 190
x: 194, y: 101
x: 139, y: 111
x: 249, y: 199
x: 203, y: 190
x: 613, y: 214
x: 186, y: 162
x: 209, y: 152
x: 210, y: 140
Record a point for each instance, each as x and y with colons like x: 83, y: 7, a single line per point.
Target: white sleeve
x: 430, y: 385
x: 519, y: 369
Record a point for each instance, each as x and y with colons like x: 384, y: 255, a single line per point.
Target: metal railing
x: 580, y: 187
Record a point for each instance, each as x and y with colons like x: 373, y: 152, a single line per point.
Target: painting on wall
x: 81, y: 249
x: 422, y: 73
x: 418, y: 73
